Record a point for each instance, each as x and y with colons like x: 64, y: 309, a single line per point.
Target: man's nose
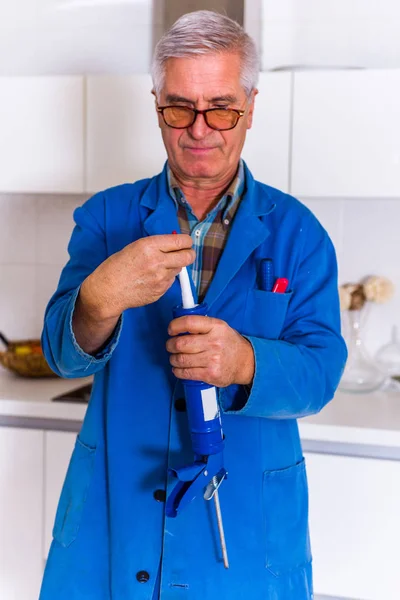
x: 199, y: 129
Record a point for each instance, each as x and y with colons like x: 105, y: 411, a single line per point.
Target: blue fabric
x: 108, y: 524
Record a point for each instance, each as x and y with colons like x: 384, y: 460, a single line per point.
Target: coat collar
x: 247, y: 233
x: 162, y: 217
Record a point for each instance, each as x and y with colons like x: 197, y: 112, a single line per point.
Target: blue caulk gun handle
x: 202, y: 404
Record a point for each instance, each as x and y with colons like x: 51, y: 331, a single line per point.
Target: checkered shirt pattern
x: 209, y: 235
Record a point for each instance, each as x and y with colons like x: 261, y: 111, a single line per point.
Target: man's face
x: 206, y: 81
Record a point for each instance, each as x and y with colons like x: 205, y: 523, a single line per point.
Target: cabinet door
x: 123, y: 138
x: 266, y: 149
x: 21, y: 505
x: 58, y: 449
x: 346, y: 134
x: 41, y: 141
x: 355, y: 526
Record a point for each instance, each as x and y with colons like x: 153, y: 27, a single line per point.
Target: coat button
x: 142, y: 576
x: 180, y: 404
x: 160, y: 495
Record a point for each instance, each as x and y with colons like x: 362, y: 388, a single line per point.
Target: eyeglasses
x: 181, y: 117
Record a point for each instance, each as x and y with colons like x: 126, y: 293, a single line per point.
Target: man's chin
x: 200, y: 168
x: 201, y: 172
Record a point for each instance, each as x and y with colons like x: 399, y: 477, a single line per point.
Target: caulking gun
x: 206, y: 473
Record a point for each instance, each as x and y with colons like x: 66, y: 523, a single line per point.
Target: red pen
x: 280, y: 285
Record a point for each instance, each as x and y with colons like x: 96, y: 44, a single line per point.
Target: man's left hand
x: 213, y: 352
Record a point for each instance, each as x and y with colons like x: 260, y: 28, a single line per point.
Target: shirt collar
x: 226, y: 203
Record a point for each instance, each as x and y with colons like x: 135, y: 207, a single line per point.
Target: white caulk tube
x: 187, y: 295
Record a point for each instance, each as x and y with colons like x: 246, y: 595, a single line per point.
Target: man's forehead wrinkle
x: 223, y: 96
x: 222, y: 91
x: 180, y: 94
x: 201, y: 76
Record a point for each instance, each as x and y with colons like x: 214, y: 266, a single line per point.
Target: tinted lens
x: 219, y: 118
x: 178, y: 116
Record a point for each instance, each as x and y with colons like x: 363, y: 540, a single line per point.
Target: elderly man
x: 274, y: 357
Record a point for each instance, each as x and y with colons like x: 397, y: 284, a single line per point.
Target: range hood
x: 173, y: 9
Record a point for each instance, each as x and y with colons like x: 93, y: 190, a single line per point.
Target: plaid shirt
x: 209, y: 236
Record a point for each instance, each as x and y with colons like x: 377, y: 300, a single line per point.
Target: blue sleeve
x: 87, y: 250
x: 298, y: 374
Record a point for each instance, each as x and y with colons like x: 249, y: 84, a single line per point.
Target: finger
x: 192, y: 324
x: 189, y: 344
x: 171, y: 242
x: 189, y: 361
x: 195, y: 374
x: 178, y: 259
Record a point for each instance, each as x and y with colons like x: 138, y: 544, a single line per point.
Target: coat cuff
x: 255, y: 400
x: 235, y: 397
x: 106, y: 351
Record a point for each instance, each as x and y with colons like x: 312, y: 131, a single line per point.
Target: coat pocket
x: 285, y: 505
x: 74, y: 494
x: 265, y: 313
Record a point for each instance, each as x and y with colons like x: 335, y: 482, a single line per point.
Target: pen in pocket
x: 266, y: 275
x: 280, y: 285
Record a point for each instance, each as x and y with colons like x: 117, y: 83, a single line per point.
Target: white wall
x: 47, y: 37
x: 34, y: 233
x: 355, y: 33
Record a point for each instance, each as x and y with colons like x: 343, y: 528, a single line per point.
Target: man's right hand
x: 137, y: 275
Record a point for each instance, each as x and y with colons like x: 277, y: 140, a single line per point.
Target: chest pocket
x: 265, y: 313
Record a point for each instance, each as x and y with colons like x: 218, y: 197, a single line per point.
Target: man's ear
x: 251, y: 108
x: 155, y: 104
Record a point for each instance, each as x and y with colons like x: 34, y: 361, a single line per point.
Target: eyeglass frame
x: 196, y: 112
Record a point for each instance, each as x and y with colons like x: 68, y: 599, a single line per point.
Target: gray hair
x: 206, y: 32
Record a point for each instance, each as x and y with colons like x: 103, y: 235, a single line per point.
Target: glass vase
x: 361, y: 373
x: 388, y: 357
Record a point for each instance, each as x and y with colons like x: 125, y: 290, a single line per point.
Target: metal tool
x: 206, y: 433
x: 212, y: 492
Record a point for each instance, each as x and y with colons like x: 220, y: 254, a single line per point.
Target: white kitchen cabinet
x: 310, y: 32
x: 355, y: 526
x: 44, y: 37
x: 266, y: 149
x: 123, y: 138
x: 346, y: 134
x: 21, y: 506
x: 58, y: 450
x: 42, y: 134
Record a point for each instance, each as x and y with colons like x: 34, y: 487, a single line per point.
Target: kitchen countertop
x: 357, y: 419
x: 370, y: 419
x: 31, y: 398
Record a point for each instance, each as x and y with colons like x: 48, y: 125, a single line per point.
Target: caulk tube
x: 201, y: 398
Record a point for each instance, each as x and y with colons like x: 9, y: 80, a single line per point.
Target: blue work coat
x: 111, y: 536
